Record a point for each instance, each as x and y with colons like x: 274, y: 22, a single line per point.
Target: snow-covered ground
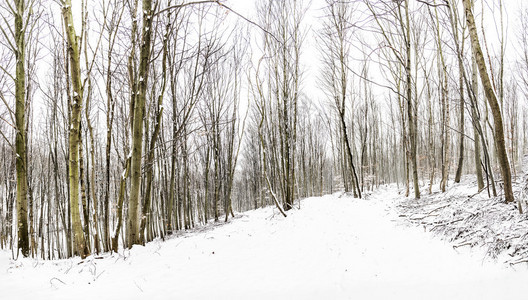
x: 334, y: 247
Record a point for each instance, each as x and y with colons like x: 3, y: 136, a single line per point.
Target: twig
x: 138, y: 286
x: 247, y: 20
x: 462, y: 245
x: 179, y: 6
x: 51, y: 281
x: 97, y: 277
x: 71, y: 266
x: 446, y: 223
x: 518, y: 262
x: 421, y: 218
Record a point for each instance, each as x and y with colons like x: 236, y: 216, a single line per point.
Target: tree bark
x: 137, y: 126
x: 473, y: 94
x: 410, y: 107
x: 145, y: 215
x: 493, y: 103
x: 80, y: 247
x: 461, y: 127
x: 21, y: 131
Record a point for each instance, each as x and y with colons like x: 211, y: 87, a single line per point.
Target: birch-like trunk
x: 79, y: 242
x: 137, y: 126
x: 21, y: 132
x: 493, y: 103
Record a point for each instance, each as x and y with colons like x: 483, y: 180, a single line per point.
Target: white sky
x: 311, y: 56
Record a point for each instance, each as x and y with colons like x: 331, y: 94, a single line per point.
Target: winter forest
x: 135, y: 134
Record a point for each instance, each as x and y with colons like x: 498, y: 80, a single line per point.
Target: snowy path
x: 333, y: 248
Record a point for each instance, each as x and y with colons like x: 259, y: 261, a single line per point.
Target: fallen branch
x: 275, y: 198
x: 421, y: 218
x: 462, y: 245
x: 518, y: 262
x: 51, y: 281
x: 97, y: 277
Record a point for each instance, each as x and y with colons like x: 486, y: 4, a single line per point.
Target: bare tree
x: 74, y: 48
x: 16, y: 41
x: 282, y: 49
x: 335, y: 49
x: 492, y: 101
x: 399, y: 12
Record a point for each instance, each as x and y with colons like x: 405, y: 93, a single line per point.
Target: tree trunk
x: 353, y: 173
x: 109, y: 121
x: 474, y: 115
x: 21, y: 132
x: 80, y: 247
x: 150, y: 155
x: 410, y: 110
x: 461, y: 127
x: 137, y: 126
x: 493, y: 103
x: 84, y: 203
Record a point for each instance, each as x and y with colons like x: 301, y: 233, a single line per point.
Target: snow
x: 466, y: 217
x: 334, y: 247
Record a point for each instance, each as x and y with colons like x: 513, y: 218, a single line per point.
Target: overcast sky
x: 490, y: 16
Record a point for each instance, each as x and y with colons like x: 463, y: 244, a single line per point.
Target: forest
x: 123, y: 122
